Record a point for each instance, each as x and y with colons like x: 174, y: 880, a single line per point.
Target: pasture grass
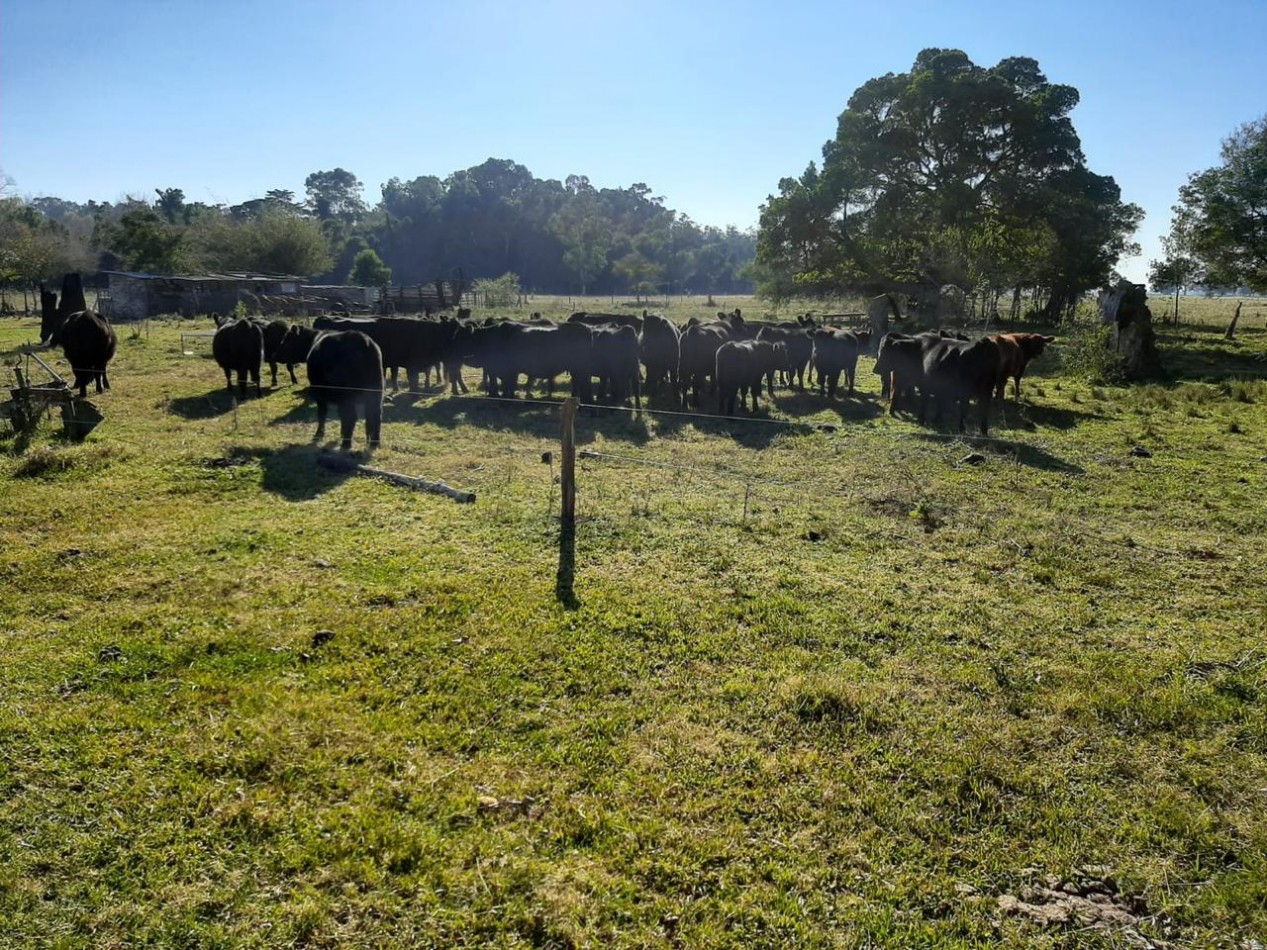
x: 820, y: 684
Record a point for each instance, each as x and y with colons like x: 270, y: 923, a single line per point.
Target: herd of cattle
x: 604, y: 355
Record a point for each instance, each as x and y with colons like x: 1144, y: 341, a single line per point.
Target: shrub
x: 1089, y: 353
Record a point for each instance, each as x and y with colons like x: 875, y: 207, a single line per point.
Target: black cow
x: 615, y: 363
x: 956, y: 371
x: 740, y: 367
x: 604, y: 319
x: 345, y: 367
x: 89, y: 343
x: 507, y: 350
x: 836, y: 352
x: 698, y: 360
x: 274, y: 333
x: 409, y: 343
x: 660, y: 342
x: 295, y: 347
x: 238, y: 347
x: 800, y: 347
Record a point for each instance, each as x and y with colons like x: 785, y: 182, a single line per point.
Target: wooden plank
x: 341, y: 463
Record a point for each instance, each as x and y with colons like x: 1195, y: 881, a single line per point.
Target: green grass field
x: 817, y: 685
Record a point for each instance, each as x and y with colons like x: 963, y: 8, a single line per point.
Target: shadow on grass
x: 566, y: 575
x: 1027, y: 416
x: 1024, y: 453
x: 531, y: 417
x: 211, y: 404
x: 293, y: 472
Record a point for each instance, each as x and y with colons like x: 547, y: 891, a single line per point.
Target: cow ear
x: 1049, y: 339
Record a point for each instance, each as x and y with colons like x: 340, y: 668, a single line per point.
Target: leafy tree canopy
x: 368, y: 270
x: 950, y: 173
x: 335, y: 194
x: 1221, y: 218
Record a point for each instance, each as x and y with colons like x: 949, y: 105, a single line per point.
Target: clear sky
x: 708, y: 103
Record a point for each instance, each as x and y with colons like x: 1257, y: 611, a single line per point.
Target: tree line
x: 492, y: 219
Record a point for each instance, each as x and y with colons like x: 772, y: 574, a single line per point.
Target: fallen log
x: 341, y: 463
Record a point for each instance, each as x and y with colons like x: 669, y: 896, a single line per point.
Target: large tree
x: 1222, y: 212
x: 335, y: 194
x: 950, y: 173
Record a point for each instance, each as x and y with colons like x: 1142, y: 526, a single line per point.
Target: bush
x: 500, y: 292
x: 1089, y: 353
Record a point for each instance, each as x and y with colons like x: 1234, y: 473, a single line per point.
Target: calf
x: 956, y: 371
x: 740, y: 367
x: 89, y: 343
x: 345, y: 367
x: 238, y: 347
x: 1015, y: 352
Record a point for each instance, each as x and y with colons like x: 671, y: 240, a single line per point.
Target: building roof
x: 236, y: 278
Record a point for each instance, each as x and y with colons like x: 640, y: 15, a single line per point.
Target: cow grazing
x: 238, y: 347
x: 295, y: 346
x: 345, y: 367
x: 1015, y: 352
x: 89, y: 343
x: 740, y: 367
x: 956, y: 371
x: 660, y: 343
x: 835, y: 352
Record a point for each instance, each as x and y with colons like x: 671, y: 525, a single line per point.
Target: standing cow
x: 89, y: 343
x: 345, y: 367
x: 238, y: 347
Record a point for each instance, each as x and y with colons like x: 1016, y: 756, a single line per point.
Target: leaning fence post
x: 567, y: 480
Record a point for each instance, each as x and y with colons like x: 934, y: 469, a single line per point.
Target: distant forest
x: 489, y: 220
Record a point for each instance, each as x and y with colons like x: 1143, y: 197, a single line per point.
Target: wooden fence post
x: 567, y: 481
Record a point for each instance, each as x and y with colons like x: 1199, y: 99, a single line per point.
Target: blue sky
x: 709, y: 103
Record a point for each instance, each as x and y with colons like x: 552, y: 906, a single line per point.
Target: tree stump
x: 878, y: 316
x: 1126, y: 307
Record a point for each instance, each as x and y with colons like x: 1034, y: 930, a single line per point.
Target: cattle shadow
x: 293, y: 473
x: 858, y: 407
x: 535, y: 418
x: 753, y: 432
x: 1024, y: 453
x: 1028, y: 416
x: 208, y: 405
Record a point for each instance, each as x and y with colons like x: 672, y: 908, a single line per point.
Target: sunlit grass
x: 823, y: 687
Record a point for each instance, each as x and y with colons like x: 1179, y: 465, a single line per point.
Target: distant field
x: 810, y: 680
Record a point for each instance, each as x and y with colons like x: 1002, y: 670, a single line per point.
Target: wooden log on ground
x: 341, y: 463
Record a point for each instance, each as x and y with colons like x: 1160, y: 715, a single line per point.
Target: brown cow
x: 1015, y: 352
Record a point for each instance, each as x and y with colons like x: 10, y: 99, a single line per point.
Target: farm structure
x: 137, y: 296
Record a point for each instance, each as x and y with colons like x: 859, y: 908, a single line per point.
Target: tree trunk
x: 1231, y: 327
x: 1176, y: 303
x: 1133, y: 337
x: 878, y: 315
